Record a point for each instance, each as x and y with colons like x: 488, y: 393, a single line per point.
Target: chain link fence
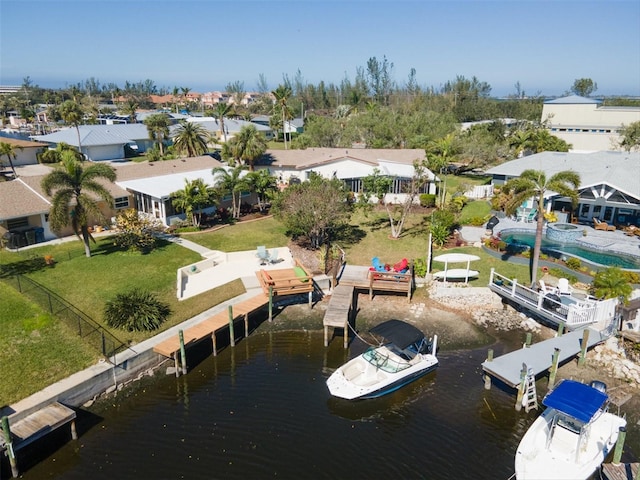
x: 88, y: 329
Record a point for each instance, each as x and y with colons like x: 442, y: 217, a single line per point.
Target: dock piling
x: 560, y: 329
x: 270, y: 303
x: 527, y: 342
x: 487, y: 377
x: 554, y: 368
x: 232, y: 335
x: 583, y: 347
x: 9, y: 443
x: 521, y: 387
x: 183, y: 352
x: 617, y: 453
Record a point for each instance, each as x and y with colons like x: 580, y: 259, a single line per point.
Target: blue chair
x: 263, y: 254
x: 379, y: 266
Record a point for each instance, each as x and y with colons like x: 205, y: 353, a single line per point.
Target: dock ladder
x: 530, y: 399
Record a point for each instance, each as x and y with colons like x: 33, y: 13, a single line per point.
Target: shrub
x: 135, y: 231
x: 631, y: 277
x: 428, y: 200
x: 136, y: 310
x: 477, y: 221
x: 420, y: 267
x: 558, y: 272
x: 444, y: 218
x: 439, y: 234
x: 574, y: 263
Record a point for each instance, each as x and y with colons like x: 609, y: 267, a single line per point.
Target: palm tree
x: 246, y: 147
x: 612, y: 283
x: 282, y: 94
x: 72, y: 114
x: 195, y: 195
x: 70, y: 204
x: 534, y: 183
x: 158, y: 127
x: 263, y: 184
x: 130, y: 108
x: 9, y: 150
x: 190, y: 139
x: 230, y: 181
x: 221, y: 111
x: 442, y: 151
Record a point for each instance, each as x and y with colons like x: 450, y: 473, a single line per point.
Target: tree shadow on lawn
x: 375, y: 224
x: 349, y: 234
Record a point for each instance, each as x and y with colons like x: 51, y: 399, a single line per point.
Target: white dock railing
x: 572, y: 311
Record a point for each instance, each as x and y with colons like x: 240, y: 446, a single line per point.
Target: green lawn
x: 243, y: 236
x: 35, y: 349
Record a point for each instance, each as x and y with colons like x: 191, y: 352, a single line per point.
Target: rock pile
x: 612, y: 359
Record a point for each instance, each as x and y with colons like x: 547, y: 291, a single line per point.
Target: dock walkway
x: 338, y: 312
x: 210, y: 326
x: 538, y: 357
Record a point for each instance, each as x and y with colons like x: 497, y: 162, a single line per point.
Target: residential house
x: 609, y: 183
x: 26, y: 151
x: 102, y: 142
x: 586, y: 124
x: 232, y: 126
x: 349, y: 165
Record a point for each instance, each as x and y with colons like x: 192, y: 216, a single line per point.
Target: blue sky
x: 205, y: 44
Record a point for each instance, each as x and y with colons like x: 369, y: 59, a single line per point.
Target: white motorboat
x: 572, y: 437
x: 403, y: 355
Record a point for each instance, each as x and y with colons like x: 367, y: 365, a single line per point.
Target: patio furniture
x: 263, y: 254
x: 531, y: 216
x: 631, y: 230
x: 273, y: 257
x: 563, y: 287
x: 600, y: 225
x: 547, y: 288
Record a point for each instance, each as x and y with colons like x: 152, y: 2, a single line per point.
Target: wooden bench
x: 391, y: 282
x: 287, y: 281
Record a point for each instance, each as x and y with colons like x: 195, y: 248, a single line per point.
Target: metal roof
x: 617, y: 169
x: 573, y: 100
x: 95, y: 135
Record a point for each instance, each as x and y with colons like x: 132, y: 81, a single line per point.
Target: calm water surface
x: 262, y: 410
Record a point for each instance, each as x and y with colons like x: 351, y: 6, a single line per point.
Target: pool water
x: 518, y: 242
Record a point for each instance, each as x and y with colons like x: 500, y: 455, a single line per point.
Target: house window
x: 122, y: 202
x: 17, y: 223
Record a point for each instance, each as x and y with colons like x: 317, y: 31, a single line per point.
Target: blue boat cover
x: 576, y: 399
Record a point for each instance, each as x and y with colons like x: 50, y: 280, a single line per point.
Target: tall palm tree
x: 221, y: 111
x: 230, y: 181
x: 190, y: 139
x: 72, y: 114
x: 534, y: 183
x: 282, y: 94
x: 441, y: 153
x: 70, y: 203
x: 246, y: 147
x: 194, y: 196
x: 158, y: 127
x: 9, y: 150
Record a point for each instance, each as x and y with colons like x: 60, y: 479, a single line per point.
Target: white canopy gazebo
x: 456, y: 273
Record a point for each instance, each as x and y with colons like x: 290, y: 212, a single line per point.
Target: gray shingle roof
x: 618, y: 169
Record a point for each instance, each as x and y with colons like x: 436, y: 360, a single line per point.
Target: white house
x: 585, y: 124
x: 26, y: 151
x: 609, y: 183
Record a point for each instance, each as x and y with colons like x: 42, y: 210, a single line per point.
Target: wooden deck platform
x: 362, y: 278
x: 208, y: 327
x: 538, y: 357
x: 38, y: 424
x: 622, y: 471
x: 287, y: 281
x: 338, y: 312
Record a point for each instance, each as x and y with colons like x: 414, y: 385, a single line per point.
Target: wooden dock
x: 35, y: 426
x: 210, y: 326
x: 538, y: 357
x: 361, y: 277
x: 621, y: 471
x: 338, y: 312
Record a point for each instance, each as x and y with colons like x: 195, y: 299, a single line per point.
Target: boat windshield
x: 384, y: 361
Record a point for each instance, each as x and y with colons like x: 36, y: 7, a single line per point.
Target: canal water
x: 262, y: 410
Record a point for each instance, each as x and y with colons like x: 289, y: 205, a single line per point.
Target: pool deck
x: 607, y: 241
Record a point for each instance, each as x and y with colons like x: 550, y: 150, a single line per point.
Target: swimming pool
x: 517, y: 242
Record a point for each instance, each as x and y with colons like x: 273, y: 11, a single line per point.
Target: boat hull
x: 563, y: 458
x: 359, y: 380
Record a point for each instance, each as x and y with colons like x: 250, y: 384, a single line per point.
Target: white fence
x: 480, y: 191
